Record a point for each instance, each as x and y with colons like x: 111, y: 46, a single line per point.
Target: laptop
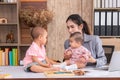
x: 114, y: 63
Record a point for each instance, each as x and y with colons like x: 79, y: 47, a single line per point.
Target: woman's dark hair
x: 77, y: 19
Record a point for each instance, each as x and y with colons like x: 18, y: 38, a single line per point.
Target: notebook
x: 114, y: 63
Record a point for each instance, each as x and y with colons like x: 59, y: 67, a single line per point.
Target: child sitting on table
x: 35, y: 59
x: 76, y: 55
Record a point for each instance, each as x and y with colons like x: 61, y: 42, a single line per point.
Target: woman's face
x: 72, y: 27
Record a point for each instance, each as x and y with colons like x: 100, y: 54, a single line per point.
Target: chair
x: 108, y: 51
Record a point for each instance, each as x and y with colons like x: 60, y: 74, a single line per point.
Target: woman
x: 93, y: 43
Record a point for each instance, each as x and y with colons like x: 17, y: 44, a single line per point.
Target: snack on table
x: 79, y: 72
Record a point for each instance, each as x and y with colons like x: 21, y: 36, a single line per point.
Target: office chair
x: 108, y: 51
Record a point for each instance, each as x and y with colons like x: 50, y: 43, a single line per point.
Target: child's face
x: 44, y: 38
x: 73, y: 43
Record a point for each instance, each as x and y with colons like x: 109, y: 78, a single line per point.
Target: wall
x: 57, y: 31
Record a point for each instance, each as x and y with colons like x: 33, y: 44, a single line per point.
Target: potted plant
x: 32, y: 17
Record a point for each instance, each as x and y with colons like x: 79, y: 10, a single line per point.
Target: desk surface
x: 18, y: 72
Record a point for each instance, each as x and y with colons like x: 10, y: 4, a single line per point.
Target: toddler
x: 35, y: 59
x: 76, y: 55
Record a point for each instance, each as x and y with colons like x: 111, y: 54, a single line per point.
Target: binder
x: 95, y: 3
x: 119, y: 22
x: 102, y: 23
x: 108, y: 23
x: 106, y: 3
x: 110, y: 3
x: 115, y: 23
x: 114, y: 3
x: 98, y: 3
x: 118, y: 3
x: 103, y: 3
x: 96, y: 22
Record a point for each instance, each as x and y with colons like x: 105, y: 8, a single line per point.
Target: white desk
x: 18, y: 72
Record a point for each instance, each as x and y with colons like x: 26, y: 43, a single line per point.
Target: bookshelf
x: 9, y: 21
x: 107, y: 25
x: 9, y: 32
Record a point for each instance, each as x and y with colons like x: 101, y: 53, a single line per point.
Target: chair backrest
x: 108, y: 51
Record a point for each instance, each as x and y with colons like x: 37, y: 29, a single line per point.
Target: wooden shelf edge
x: 8, y: 3
x: 109, y: 36
x: 24, y: 45
x: 8, y: 24
x: 108, y: 9
x: 8, y: 44
x: 33, y: 0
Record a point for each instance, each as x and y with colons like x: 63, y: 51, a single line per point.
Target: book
x: 6, y: 56
x: 4, y: 76
x: 58, y: 73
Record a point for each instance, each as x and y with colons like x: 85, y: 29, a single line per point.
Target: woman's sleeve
x: 100, y: 55
x: 66, y: 44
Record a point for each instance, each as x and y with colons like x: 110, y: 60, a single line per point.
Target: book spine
x: 0, y: 57
x: 3, y: 58
x: 10, y: 58
x: 13, y: 56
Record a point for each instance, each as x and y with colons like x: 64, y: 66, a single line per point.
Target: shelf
x: 33, y: 0
x: 108, y: 9
x: 6, y: 24
x: 24, y: 45
x: 109, y: 36
x: 8, y: 3
x: 8, y: 44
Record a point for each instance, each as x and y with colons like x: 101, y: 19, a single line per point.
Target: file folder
x: 108, y: 23
x: 102, y: 25
x: 110, y: 3
x: 96, y: 22
x: 115, y: 23
x: 103, y: 3
x: 119, y: 22
x: 106, y: 3
x: 95, y: 4
x: 118, y: 3
x: 114, y: 3
x: 98, y: 3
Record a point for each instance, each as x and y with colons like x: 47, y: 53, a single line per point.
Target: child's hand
x: 69, y: 52
x: 91, y: 59
x: 82, y: 60
x: 67, y: 55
